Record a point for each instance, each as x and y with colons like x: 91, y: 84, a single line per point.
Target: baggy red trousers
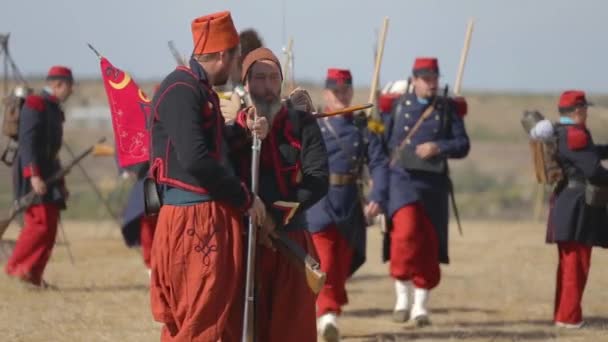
x: 35, y: 243
x: 414, y: 247
x: 572, y: 273
x: 196, y: 283
x: 285, y: 305
x: 335, y: 256
x: 146, y: 236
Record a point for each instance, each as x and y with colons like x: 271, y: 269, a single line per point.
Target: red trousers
x: 572, y: 273
x: 196, y: 283
x: 414, y: 247
x: 335, y: 256
x: 35, y: 243
x: 146, y: 236
x: 285, y: 305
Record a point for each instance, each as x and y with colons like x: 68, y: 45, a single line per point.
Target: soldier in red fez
x: 40, y: 138
x: 578, y: 217
x: 293, y: 175
x: 338, y: 222
x: 197, y: 275
x: 422, y: 131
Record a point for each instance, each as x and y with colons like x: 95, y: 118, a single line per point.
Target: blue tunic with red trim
x: 349, y: 146
x: 446, y: 128
x: 570, y: 218
x: 40, y: 139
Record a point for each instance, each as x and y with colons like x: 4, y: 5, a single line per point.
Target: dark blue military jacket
x: 40, y: 139
x: 406, y: 186
x: 571, y: 219
x: 349, y: 146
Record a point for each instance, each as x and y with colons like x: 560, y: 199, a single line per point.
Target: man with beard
x: 293, y: 175
x: 337, y: 222
x: 40, y: 135
x: 197, y: 265
x: 422, y: 131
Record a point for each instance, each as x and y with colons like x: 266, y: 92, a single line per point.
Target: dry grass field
x: 499, y: 287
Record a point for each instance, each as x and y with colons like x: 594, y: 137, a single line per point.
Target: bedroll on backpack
x: 10, y: 119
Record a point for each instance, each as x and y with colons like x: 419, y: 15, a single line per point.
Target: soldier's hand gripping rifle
x: 24, y: 202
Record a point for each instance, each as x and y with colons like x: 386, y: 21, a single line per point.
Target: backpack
x: 547, y: 169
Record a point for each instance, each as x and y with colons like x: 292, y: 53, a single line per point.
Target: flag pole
x: 94, y: 50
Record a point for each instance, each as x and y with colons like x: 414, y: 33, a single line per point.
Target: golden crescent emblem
x: 120, y: 85
x: 143, y: 96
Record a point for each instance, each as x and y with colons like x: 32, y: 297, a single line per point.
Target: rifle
x: 24, y: 202
x: 318, y: 115
x: 178, y: 58
x: 378, y: 63
x: 248, y: 316
x: 463, y: 57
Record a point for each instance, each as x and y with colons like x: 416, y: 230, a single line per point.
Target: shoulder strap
x: 427, y: 112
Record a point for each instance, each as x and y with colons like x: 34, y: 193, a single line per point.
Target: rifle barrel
x: 343, y: 111
x: 248, y: 317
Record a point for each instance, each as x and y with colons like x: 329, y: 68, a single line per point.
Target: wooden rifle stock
x: 315, y: 278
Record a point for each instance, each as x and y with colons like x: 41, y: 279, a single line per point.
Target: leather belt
x: 342, y: 179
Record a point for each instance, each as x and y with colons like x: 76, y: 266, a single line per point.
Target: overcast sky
x: 518, y: 45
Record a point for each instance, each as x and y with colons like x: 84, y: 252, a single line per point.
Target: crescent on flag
x: 122, y: 84
x: 143, y: 96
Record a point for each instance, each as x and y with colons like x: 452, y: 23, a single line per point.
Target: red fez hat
x: 572, y: 99
x: 214, y: 33
x: 59, y: 72
x: 425, y: 66
x: 258, y: 54
x: 338, y: 77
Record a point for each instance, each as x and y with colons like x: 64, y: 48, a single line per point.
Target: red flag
x: 131, y: 110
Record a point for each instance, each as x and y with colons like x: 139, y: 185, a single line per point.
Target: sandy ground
x: 499, y: 287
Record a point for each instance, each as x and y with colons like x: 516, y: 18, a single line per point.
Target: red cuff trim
x: 31, y: 171
x: 241, y: 118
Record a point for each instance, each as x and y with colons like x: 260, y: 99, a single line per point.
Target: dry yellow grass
x: 499, y: 288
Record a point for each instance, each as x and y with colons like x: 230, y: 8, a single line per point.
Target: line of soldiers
x: 308, y: 188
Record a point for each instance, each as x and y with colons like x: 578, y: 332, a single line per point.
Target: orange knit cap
x: 214, y: 33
